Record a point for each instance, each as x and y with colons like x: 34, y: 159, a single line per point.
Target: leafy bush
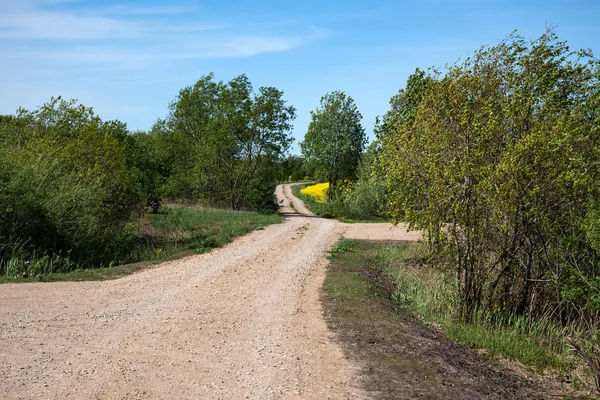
x: 65, y: 188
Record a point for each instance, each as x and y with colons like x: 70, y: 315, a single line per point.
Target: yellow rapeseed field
x: 317, y: 192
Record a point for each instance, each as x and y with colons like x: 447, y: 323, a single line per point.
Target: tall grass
x: 17, y: 261
x: 432, y: 296
x: 175, y: 230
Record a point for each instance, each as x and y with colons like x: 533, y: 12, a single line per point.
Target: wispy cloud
x: 215, y: 46
x: 128, y: 29
x: 131, y: 10
x: 119, y: 55
x: 37, y: 24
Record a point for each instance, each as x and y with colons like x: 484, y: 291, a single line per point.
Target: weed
x: 341, y: 247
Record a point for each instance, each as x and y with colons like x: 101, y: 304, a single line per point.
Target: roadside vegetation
x: 406, y: 275
x: 431, y: 296
x: 175, y: 231
x: 396, y: 352
x: 75, y: 190
x: 334, y: 153
x: 351, y: 205
x: 179, y: 228
x: 497, y: 159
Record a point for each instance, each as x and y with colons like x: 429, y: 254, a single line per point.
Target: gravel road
x: 243, y: 321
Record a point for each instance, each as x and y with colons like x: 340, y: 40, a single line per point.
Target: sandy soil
x: 381, y: 231
x: 243, y: 321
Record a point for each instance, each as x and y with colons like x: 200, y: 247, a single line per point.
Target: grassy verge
x: 536, y: 344
x: 175, y: 232
x: 199, y: 229
x: 538, y: 349
x: 398, y: 353
x: 430, y: 296
x: 326, y: 211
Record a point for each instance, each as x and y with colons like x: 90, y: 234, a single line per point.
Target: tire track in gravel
x: 243, y: 321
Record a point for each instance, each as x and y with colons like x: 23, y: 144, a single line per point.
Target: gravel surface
x: 381, y: 231
x: 243, y: 321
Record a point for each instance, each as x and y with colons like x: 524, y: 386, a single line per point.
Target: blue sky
x: 129, y: 59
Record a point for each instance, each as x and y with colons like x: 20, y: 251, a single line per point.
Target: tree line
x: 72, y: 185
x: 497, y: 159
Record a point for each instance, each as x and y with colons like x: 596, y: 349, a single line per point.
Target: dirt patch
x: 399, y: 356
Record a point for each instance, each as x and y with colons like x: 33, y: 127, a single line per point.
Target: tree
x: 293, y: 169
x: 500, y: 164
x: 335, y: 140
x: 231, y: 139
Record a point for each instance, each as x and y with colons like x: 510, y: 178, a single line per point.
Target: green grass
x: 426, y: 293
x: 431, y: 296
x: 199, y: 229
x: 175, y: 232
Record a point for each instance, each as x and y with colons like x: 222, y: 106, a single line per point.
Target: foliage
x: 335, y: 140
x: 229, y: 142
x: 150, y: 159
x: 71, y: 184
x: 431, y: 296
x: 175, y: 231
x: 500, y: 165
x: 345, y: 207
x: 366, y: 198
x: 177, y: 228
x: 293, y: 169
x: 66, y: 192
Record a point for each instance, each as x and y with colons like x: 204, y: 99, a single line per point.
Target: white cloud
x: 201, y: 47
x: 37, y: 24
x: 121, y: 35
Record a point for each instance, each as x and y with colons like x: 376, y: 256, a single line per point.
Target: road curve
x: 243, y: 321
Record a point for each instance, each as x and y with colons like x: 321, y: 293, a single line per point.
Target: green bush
x: 65, y: 188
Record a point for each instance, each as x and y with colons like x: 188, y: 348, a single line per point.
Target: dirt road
x: 243, y: 321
